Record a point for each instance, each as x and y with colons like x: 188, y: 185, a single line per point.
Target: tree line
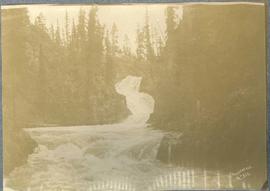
x: 66, y: 74
x: 205, y: 75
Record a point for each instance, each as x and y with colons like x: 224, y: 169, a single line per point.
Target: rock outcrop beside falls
x: 221, y: 114
x: 18, y: 145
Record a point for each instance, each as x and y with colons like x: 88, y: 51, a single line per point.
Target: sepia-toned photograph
x: 134, y: 97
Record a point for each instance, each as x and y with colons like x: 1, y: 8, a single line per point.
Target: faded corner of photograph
x: 140, y: 97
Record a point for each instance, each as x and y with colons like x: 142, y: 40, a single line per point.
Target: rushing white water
x: 113, y: 157
x: 141, y: 105
x: 73, y: 158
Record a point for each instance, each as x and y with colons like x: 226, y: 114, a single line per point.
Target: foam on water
x: 140, y: 104
x: 112, y: 157
x: 76, y: 157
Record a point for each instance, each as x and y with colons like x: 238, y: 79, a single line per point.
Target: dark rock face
x: 17, y: 146
x: 167, y: 151
x: 188, y: 151
x: 162, y: 154
x: 221, y: 114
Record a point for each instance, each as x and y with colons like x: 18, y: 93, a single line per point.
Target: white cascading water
x: 69, y: 158
x: 113, y: 157
x: 141, y: 105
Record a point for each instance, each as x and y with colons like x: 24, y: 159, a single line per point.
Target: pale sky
x: 126, y: 17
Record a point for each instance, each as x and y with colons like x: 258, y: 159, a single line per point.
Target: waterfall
x: 97, y: 156
x: 119, y: 157
x: 140, y: 104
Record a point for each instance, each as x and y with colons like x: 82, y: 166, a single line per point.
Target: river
x: 113, y: 157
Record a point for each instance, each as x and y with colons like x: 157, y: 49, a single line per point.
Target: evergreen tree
x: 73, y: 37
x: 42, y: 82
x: 141, y: 50
x: 81, y: 30
x: 114, y: 37
x: 148, y: 39
x: 95, y: 35
x: 145, y: 46
x: 19, y: 95
x: 126, y: 46
x: 40, y: 22
x: 109, y: 69
x: 170, y: 25
x: 67, y: 30
x: 58, y: 39
x: 108, y: 44
x: 52, y: 32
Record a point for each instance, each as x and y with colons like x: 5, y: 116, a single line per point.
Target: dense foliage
x: 212, y: 86
x: 206, y: 74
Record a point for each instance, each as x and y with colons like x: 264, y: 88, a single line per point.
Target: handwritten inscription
x: 242, y: 173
